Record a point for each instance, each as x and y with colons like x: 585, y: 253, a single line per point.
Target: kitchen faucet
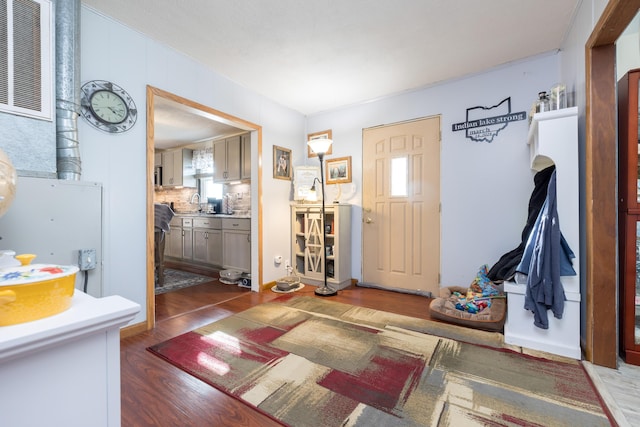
x: 193, y: 198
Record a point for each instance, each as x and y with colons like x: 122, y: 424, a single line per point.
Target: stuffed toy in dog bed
x: 481, y: 306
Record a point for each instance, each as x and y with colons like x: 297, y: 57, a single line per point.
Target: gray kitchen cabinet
x: 218, y: 241
x: 179, y: 243
x: 173, y: 239
x: 207, y: 240
x: 187, y: 238
x: 177, y: 168
x: 236, y: 241
x: 226, y: 160
x: 246, y: 157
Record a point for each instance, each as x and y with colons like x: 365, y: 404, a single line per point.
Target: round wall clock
x: 107, y: 106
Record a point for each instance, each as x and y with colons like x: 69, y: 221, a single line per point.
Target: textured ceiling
x: 317, y: 55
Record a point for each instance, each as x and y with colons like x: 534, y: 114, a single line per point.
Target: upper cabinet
x: 177, y: 168
x: 226, y: 160
x: 246, y: 156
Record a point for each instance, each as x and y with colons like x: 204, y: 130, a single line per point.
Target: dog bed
x: 489, y: 319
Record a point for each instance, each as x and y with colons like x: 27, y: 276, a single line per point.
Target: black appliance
x: 157, y: 175
x: 216, y: 203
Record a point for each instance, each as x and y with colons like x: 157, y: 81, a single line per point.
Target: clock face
x: 108, y: 107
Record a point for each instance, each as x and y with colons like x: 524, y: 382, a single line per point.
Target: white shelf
x: 309, y: 266
x: 553, y: 140
x: 544, y: 148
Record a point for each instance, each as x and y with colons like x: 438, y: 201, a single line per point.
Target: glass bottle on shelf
x: 542, y: 104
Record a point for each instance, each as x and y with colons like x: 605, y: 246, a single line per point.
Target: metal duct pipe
x: 67, y: 18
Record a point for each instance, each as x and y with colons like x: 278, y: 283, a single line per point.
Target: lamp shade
x: 8, y: 182
x: 320, y: 145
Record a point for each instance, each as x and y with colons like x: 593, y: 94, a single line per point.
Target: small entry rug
x: 178, y: 279
x: 307, y: 361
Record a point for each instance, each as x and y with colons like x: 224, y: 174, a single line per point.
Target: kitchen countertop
x: 215, y: 215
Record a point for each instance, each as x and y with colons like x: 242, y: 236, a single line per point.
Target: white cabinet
x: 64, y: 370
x: 177, y: 168
x: 226, y: 160
x: 309, y: 252
x: 207, y: 240
x: 157, y: 159
x: 553, y: 140
x: 246, y: 157
x: 236, y: 244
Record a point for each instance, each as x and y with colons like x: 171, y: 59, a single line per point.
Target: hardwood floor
x: 155, y: 393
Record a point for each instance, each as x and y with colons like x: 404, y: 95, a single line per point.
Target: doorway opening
x: 174, y: 112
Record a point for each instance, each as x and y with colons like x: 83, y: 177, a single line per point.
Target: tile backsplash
x: 240, y: 197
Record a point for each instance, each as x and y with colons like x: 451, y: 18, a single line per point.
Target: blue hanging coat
x: 547, y: 256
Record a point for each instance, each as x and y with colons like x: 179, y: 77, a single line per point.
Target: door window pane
x: 399, y: 176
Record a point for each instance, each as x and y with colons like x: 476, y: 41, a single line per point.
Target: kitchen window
x: 209, y: 189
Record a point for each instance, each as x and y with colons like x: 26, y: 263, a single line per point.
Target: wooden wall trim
x: 151, y: 304
x: 601, y: 202
x: 615, y: 18
x: 600, y: 344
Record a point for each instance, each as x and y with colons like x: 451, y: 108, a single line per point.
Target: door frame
x: 599, y: 344
x: 256, y: 186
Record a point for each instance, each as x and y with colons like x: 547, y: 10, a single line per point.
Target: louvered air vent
x: 25, y: 58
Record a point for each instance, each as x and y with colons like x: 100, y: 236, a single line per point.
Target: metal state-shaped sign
x: 484, y: 123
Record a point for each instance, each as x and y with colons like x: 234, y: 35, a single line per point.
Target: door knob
x: 368, y: 220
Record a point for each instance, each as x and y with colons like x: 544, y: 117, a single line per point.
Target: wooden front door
x: 401, y: 205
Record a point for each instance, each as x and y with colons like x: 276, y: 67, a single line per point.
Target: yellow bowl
x: 34, y: 292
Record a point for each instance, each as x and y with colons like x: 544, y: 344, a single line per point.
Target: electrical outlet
x: 286, y: 264
x: 86, y: 259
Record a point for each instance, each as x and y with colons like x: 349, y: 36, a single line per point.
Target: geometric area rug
x: 306, y: 361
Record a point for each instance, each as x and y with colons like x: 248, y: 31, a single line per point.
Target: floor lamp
x: 320, y: 146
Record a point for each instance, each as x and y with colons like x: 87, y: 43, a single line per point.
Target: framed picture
x: 319, y: 135
x: 281, y: 163
x: 303, y: 179
x: 338, y: 170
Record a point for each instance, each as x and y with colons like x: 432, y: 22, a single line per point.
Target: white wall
x: 628, y: 49
x: 111, y: 51
x: 485, y: 187
x: 54, y: 219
